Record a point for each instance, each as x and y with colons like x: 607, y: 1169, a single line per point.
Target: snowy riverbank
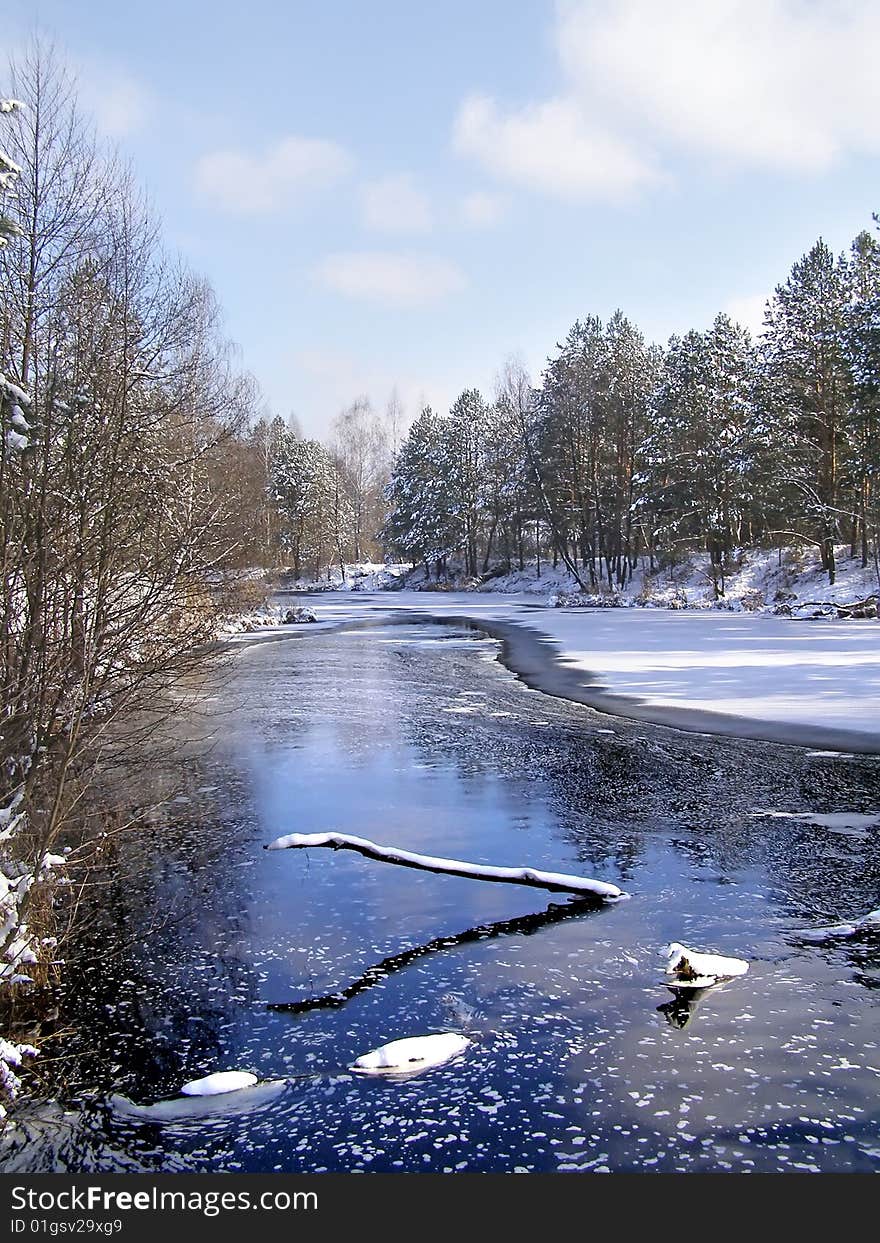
x: 779, y: 582
x: 811, y: 683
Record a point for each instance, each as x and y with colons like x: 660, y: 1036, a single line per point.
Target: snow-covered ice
x: 196, y: 1108
x: 866, y: 923
x: 813, y: 683
x: 848, y: 823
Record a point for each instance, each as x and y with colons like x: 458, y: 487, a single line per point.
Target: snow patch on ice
x: 412, y: 1055
x: 696, y: 969
x: 218, y: 1083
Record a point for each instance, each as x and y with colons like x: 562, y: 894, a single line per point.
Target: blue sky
x: 393, y: 193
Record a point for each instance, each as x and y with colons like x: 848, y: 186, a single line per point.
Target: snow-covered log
x: 556, y: 882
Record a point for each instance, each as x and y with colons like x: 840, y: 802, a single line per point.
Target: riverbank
x: 781, y: 582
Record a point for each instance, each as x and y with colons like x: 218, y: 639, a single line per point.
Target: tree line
x: 622, y: 450
x: 627, y: 450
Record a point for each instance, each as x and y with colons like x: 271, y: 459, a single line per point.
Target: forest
x: 623, y: 449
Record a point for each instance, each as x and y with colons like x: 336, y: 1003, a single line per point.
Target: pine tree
x: 309, y: 495
x: 700, y: 456
x: 421, y: 524
x: 863, y: 346
x: 570, y: 432
x: 807, y: 388
x: 628, y: 384
x: 9, y: 172
x: 465, y: 437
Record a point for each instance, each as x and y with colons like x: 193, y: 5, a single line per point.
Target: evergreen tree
x: 700, y: 453
x: 570, y: 433
x: 422, y: 524
x: 464, y: 442
x: 807, y: 389
x: 310, y: 497
x: 628, y: 384
x: 863, y: 345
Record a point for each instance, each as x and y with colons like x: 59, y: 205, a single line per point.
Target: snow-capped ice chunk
x: 411, y: 1055
x: 694, y: 969
x: 195, y: 1108
x: 220, y: 1082
x: 839, y: 932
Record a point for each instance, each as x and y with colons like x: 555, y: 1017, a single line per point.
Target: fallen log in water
x: 556, y: 882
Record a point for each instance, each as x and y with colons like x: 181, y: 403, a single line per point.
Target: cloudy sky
x: 400, y: 193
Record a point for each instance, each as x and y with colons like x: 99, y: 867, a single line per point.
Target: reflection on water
x: 290, y: 965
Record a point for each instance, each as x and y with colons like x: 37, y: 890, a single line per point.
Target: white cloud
x: 748, y: 311
x: 481, y: 210
x: 247, y: 184
x: 118, y: 102
x: 395, y: 205
x: 549, y: 147
x: 780, y: 83
x: 788, y: 85
x: 391, y: 279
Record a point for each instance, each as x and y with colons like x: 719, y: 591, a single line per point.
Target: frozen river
x: 207, y: 953
x: 815, y: 683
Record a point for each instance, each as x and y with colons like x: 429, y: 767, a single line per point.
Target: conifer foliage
x: 624, y: 450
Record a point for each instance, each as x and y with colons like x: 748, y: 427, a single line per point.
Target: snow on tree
x: 9, y: 172
x: 422, y: 523
x: 807, y: 391
x: 863, y: 349
x: 699, y: 453
x: 463, y: 442
x: 626, y: 450
x: 310, y: 496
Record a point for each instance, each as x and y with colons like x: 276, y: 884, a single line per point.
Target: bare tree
x: 359, y: 446
x: 115, y: 525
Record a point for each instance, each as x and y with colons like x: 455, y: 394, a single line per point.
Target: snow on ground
x: 757, y: 580
x: 358, y: 576
x: 814, y: 683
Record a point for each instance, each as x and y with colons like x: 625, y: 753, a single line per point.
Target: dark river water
x: 291, y: 964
